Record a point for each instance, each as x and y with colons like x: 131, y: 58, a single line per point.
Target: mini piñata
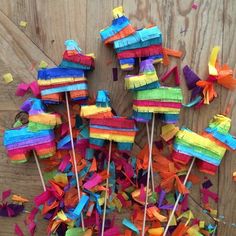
x: 131, y: 44
x: 37, y: 135
x: 69, y: 77
x: 209, y: 148
x: 150, y: 97
x: 105, y: 126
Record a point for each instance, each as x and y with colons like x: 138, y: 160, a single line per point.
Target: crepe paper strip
x: 207, y: 184
x: 130, y: 225
x: 209, y: 92
x: 170, y: 52
x: 180, y: 230
x: 10, y: 210
x: 174, y: 71
x: 23, y: 23
x: 206, y: 194
x: 128, y: 232
x: 93, y: 110
x: 83, y: 201
x: 212, y: 61
x: 191, y: 78
x: 168, y: 131
x: 194, y: 102
x: 140, y: 52
x: 156, y: 231
x: 155, y: 212
x: 43, y: 64
x: 18, y: 230
x: 17, y: 198
x: 93, y: 181
x: 115, y: 74
x: 6, y: 194
x: 194, y: 231
x: 8, y: 78
x: 115, y: 230
x: 74, y: 232
x: 194, y: 6
x: 61, y: 178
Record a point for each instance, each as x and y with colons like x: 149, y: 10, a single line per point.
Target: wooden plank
x: 17, y: 53
x: 50, y: 23
x: 227, y: 188
x: 194, y: 32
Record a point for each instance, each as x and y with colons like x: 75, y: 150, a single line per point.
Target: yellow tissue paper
x: 156, y: 231
x: 23, y: 23
x: 201, y: 224
x: 8, y: 78
x: 43, y: 64
x: 61, y: 215
x: 212, y: 61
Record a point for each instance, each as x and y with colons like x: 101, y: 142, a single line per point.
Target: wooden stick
x: 178, y: 198
x: 73, y: 155
x: 107, y: 186
x: 152, y: 174
x: 148, y: 174
x: 39, y: 170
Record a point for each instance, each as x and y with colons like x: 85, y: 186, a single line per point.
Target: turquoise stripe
x: 67, y: 88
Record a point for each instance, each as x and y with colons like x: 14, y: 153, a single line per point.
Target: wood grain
x: 50, y: 22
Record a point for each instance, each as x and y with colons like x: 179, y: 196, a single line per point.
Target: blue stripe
x: 190, y: 151
x: 117, y: 25
x: 72, y: 65
x: 67, y: 88
x: 58, y: 72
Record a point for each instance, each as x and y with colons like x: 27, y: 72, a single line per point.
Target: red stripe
x: 141, y: 52
x: 79, y: 58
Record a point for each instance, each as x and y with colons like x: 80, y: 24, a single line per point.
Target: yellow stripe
x: 48, y: 119
x: 93, y: 110
x: 140, y: 80
x: 156, y: 109
x: 60, y: 80
x: 113, y: 137
x: 197, y: 140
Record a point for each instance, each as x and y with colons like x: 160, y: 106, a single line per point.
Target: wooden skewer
x: 152, y: 173
x: 107, y: 186
x: 73, y: 155
x: 148, y: 174
x: 178, y: 198
x: 39, y: 170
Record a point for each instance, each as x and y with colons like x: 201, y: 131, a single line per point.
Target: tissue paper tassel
x: 38, y: 135
x: 209, y: 148
x: 130, y: 44
x: 54, y: 82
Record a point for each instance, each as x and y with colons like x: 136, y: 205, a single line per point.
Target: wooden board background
x: 50, y: 22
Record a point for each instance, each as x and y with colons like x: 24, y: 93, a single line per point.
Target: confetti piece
x: 23, y: 23
x: 194, y: 6
x: 130, y: 225
x: 207, y: 184
x: 43, y: 64
x: 8, y: 78
x: 6, y: 194
x: 18, y: 198
x: 18, y: 230
x: 115, y: 74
